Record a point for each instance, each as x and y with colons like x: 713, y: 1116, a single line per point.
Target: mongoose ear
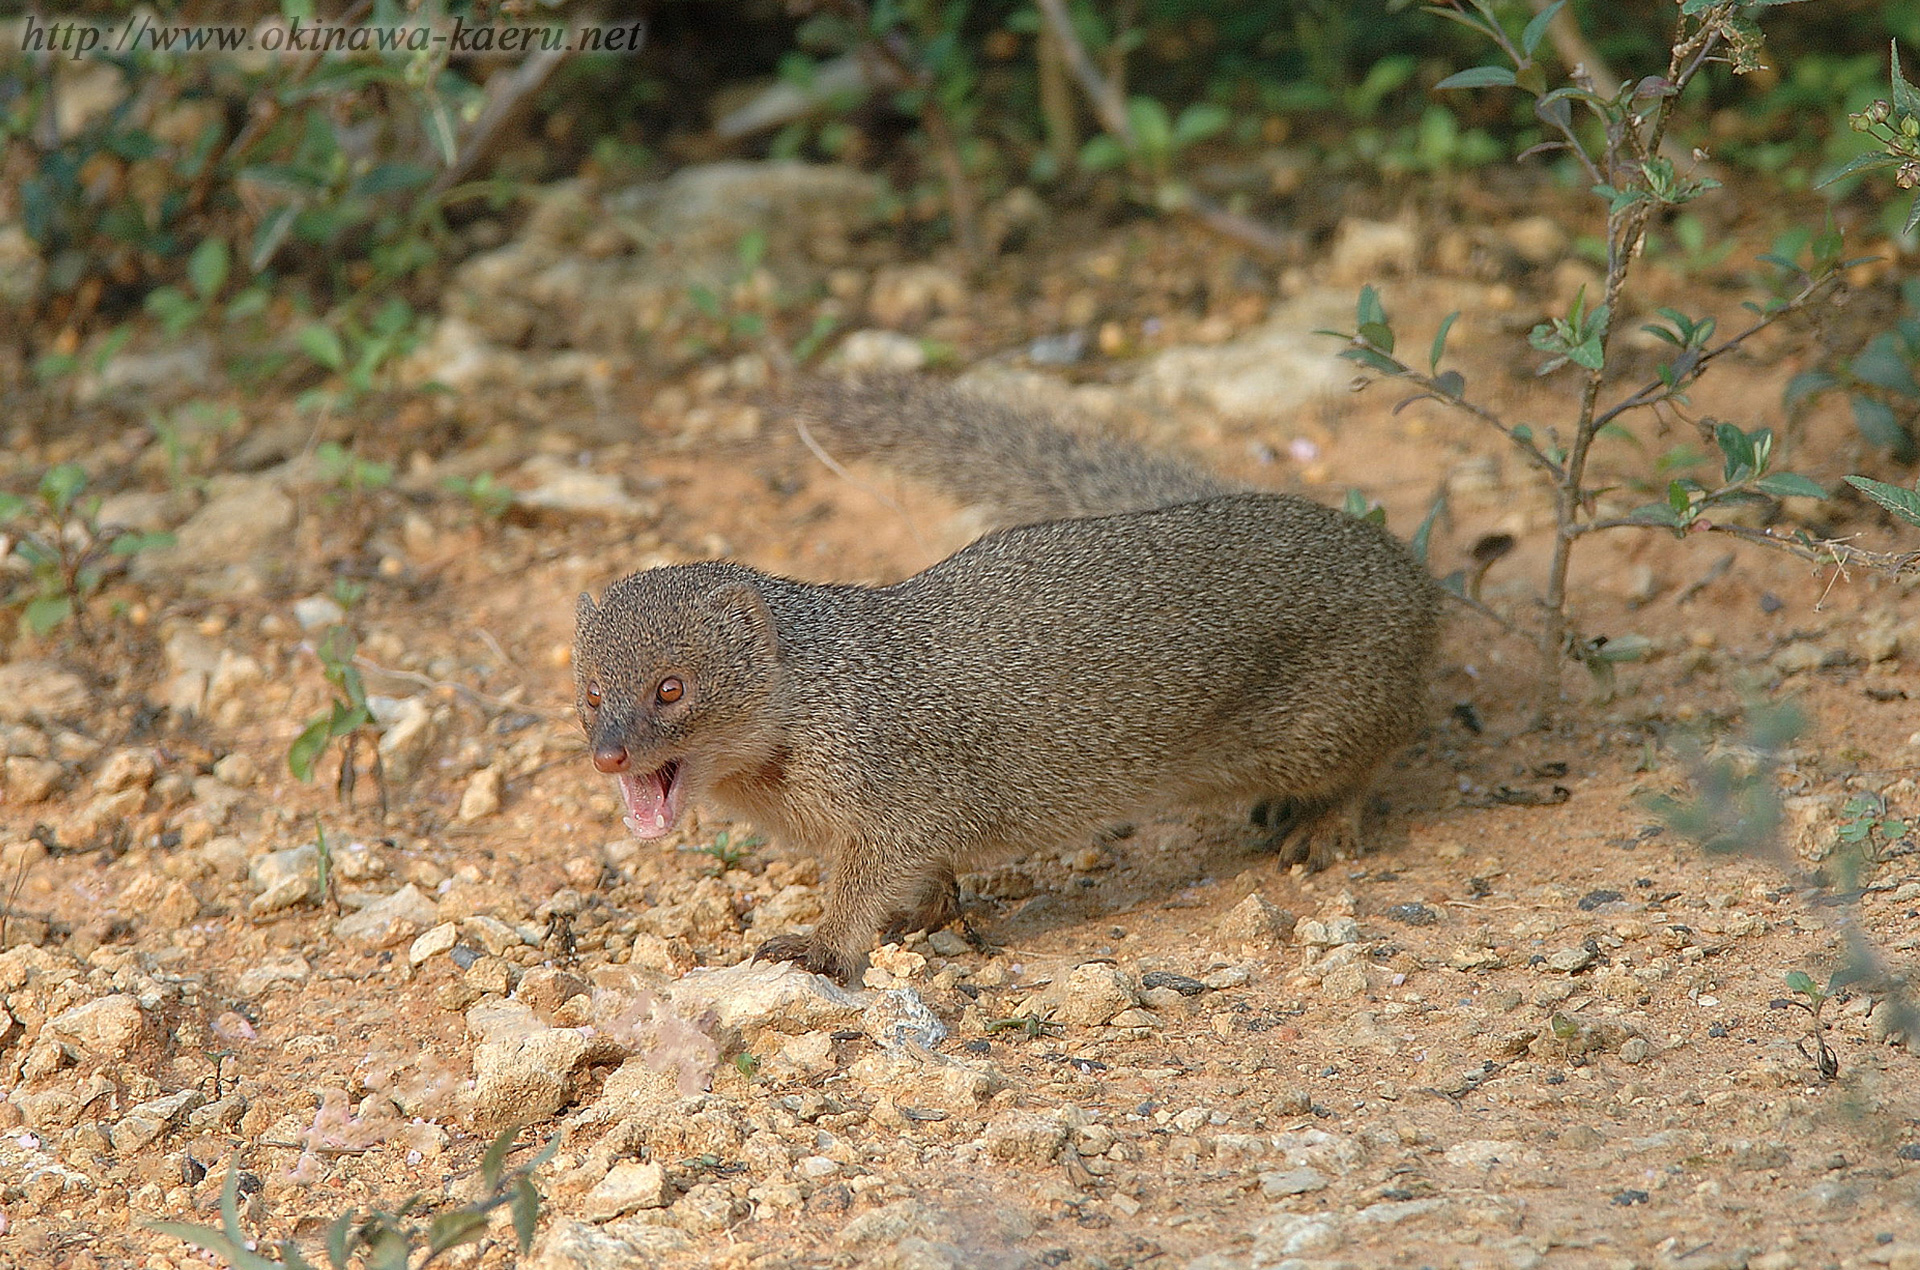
x: 582, y: 609
x: 744, y: 615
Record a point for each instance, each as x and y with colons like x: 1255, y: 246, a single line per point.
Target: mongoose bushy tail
x: 1014, y: 466
x: 1154, y: 642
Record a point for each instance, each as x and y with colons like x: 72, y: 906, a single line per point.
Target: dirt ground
x: 1531, y: 1027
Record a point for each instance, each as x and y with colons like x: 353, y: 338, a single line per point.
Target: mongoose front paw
x: 803, y: 952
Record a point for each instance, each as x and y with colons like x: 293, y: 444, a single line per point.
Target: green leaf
x: 1424, y: 534
x: 493, y: 1165
x: 1883, y: 364
x: 1903, y: 503
x: 1536, y: 30
x: 1588, y: 353
x: 47, y: 612
x: 61, y: 484
x: 453, y: 1228
x: 1372, y: 360
x: 1198, y: 122
x: 1905, y: 99
x: 271, y: 233
x: 1658, y: 514
x: 1880, y: 426
x: 1800, y: 981
x: 172, y: 307
x: 1870, y: 162
x: 1354, y: 504
x: 1152, y: 127
x: 1623, y: 648
x: 207, y: 267
x: 526, y: 1213
x: 1450, y: 383
x: 1378, y: 334
x: 322, y: 344
x: 1369, y: 309
x: 1808, y: 383
x: 1737, y: 450
x: 1102, y: 154
x: 1479, y: 77
x: 1681, y: 500
x: 440, y: 127
x: 1789, y: 485
x: 1446, y: 323
x: 309, y: 746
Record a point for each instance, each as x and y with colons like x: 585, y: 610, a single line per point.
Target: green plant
x: 1622, y: 157
x: 346, y: 719
x: 1869, y: 827
x: 63, y: 550
x: 488, y: 496
x: 1812, y: 999
x: 727, y: 850
x: 347, y: 472
x: 358, y: 354
x: 1904, y: 503
x: 404, y: 1238
x: 1879, y: 380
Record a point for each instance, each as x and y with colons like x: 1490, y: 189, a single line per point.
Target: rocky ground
x: 1532, y: 1027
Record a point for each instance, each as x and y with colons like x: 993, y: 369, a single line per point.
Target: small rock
x: 246, y: 516
x: 546, y: 987
x: 1537, y: 240
x: 409, y: 728
x: 285, y: 878
x: 1798, y: 657
x: 316, y: 611
x: 1414, y: 914
x: 872, y: 350
x: 1024, y: 1137
x: 1337, y: 933
x: 1088, y: 996
x: 621, y: 1245
x: 37, y: 690
x: 1635, y: 1050
x: 899, y: 1018
x: 1226, y: 977
x: 438, y: 940
x: 102, y: 818
x: 1570, y: 960
x: 560, y: 486
x: 235, y: 770
x: 140, y: 1126
x: 385, y: 922
x: 1299, y: 1181
x: 757, y: 996
x: 1255, y: 920
x: 906, y: 295
x: 628, y: 1187
x: 1181, y: 984
x: 32, y: 780
x: 1365, y: 251
x: 107, y: 1026
x: 482, y: 796
x: 529, y: 1078
x: 127, y: 769
x: 256, y: 979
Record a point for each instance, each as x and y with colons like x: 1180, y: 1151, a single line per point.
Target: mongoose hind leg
x: 1313, y: 832
x: 936, y: 907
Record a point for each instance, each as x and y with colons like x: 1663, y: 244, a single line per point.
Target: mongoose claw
x: 803, y: 952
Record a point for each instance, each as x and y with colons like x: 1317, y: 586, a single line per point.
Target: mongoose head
x: 673, y: 673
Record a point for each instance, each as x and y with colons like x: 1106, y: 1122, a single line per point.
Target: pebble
x: 758, y: 996
x: 256, y: 979
x: 32, y: 780
x: 529, y: 1078
x: 1336, y: 933
x: 1255, y: 920
x: 1365, y: 251
x: 150, y: 1119
x: 1414, y: 914
x: 899, y: 1019
x: 1570, y: 960
x: 1182, y: 984
x: 1299, y: 1181
x: 432, y: 943
x: 385, y: 922
x: 284, y: 878
x: 1089, y: 995
x: 409, y: 727
x: 482, y: 796
x: 40, y: 690
x: 875, y: 350
x: 628, y: 1187
x: 1024, y: 1137
x: 316, y: 611
x: 126, y: 769
x: 106, y: 1026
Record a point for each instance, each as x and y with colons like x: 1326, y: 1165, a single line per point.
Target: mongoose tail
x: 1015, y: 466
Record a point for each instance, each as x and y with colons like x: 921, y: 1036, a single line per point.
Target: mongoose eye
x: 593, y: 695
x: 669, y: 691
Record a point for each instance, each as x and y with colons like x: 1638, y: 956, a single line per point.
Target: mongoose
x: 1161, y: 642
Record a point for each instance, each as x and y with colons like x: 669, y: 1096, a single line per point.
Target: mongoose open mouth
x: 653, y: 800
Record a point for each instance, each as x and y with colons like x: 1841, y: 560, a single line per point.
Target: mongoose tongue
x: 653, y: 800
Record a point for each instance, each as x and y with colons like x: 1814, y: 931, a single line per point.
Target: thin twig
x: 1823, y: 551
x: 1107, y: 102
x: 838, y: 469
x: 482, y: 699
x: 507, y: 92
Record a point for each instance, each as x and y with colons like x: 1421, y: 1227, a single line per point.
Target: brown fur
x: 1046, y: 679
